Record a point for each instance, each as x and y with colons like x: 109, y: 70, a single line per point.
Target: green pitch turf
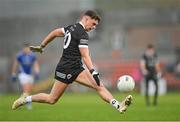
x: 89, y: 107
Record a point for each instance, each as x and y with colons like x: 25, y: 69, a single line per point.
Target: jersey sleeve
x: 18, y: 56
x: 156, y: 58
x: 143, y: 59
x: 83, y: 42
x: 64, y: 29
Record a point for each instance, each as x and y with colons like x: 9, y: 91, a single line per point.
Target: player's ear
x: 81, y: 16
x: 86, y: 18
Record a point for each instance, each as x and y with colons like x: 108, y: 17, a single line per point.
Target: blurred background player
x: 150, y: 68
x: 27, y: 68
x: 70, y: 67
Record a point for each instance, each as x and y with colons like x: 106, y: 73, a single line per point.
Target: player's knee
x: 52, y: 100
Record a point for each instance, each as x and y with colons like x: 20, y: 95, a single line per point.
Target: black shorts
x: 151, y: 76
x: 67, y: 74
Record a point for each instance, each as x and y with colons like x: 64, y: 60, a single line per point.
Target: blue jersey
x: 26, y: 62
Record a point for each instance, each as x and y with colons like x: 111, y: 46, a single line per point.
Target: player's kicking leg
x: 125, y: 103
x: 85, y: 78
x: 28, y: 105
x: 27, y: 88
x: 56, y: 92
x: 21, y: 101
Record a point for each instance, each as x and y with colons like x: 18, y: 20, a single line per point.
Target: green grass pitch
x: 89, y: 107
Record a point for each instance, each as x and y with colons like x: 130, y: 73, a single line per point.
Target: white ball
x: 125, y: 83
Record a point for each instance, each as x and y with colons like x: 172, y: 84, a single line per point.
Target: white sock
x: 28, y: 99
x: 29, y: 106
x: 115, y: 103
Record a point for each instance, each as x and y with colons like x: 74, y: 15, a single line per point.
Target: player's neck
x: 82, y: 23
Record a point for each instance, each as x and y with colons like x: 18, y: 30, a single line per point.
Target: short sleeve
x: 143, y: 58
x: 156, y: 58
x: 64, y: 29
x: 18, y: 56
x: 83, y: 42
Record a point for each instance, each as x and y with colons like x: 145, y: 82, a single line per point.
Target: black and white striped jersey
x: 150, y: 62
x: 75, y: 37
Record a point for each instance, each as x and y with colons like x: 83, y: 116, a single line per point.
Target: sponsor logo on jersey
x: 84, y: 41
x: 69, y: 76
x: 61, y: 75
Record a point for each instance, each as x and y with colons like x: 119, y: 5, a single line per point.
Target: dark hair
x: 150, y: 46
x: 93, y: 15
x: 26, y: 44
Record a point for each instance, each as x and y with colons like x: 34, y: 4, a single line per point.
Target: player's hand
x: 13, y: 78
x: 39, y: 49
x: 159, y: 75
x: 144, y: 72
x: 95, y: 75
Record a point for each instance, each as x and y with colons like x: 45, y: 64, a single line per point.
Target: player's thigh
x: 155, y: 81
x: 58, y: 89
x: 86, y: 79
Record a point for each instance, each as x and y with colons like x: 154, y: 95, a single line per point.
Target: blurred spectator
x: 150, y: 68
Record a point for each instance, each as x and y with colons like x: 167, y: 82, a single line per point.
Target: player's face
x: 150, y: 52
x: 26, y: 49
x: 90, y: 24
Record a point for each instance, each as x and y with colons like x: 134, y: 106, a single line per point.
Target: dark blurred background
x: 116, y: 45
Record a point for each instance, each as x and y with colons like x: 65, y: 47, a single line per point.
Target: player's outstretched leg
x: 56, y: 92
x: 28, y: 105
x: 85, y: 78
x: 19, y: 102
x: 125, y: 104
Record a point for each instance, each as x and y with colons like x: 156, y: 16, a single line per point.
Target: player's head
x: 150, y: 49
x: 26, y: 48
x: 90, y: 20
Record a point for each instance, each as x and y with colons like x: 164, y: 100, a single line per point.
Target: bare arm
x: 86, y: 57
x: 158, y: 68
x: 14, y: 67
x: 87, y: 60
x: 53, y: 34
x: 36, y: 67
x: 143, y: 67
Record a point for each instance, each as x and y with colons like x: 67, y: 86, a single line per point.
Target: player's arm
x: 143, y: 67
x: 14, y: 69
x: 53, y: 34
x: 36, y: 68
x: 14, y: 66
x: 86, y: 57
x: 158, y: 69
x: 50, y: 37
x: 88, y: 62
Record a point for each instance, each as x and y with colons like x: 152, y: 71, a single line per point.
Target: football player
x: 25, y: 69
x: 150, y: 67
x: 70, y: 67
